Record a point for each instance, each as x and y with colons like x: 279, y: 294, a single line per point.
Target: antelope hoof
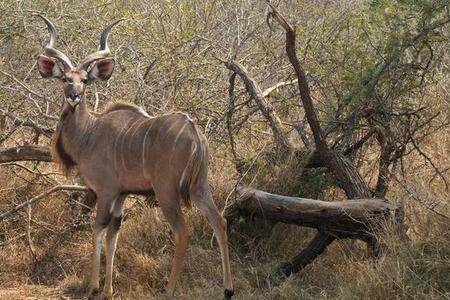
x: 228, y: 294
x: 94, y: 294
x: 166, y: 297
x: 106, y: 297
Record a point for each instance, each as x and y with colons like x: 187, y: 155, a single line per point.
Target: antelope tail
x: 196, y: 167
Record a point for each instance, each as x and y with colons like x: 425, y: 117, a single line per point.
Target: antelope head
x: 96, y: 66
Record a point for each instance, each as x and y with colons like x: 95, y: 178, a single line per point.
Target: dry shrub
x: 418, y: 269
x: 415, y: 270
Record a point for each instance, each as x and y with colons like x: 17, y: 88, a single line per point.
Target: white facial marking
x: 74, y: 83
x: 74, y: 102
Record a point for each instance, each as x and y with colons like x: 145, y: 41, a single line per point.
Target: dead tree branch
x: 277, y: 86
x: 43, y: 195
x: 314, y: 249
x: 351, y: 181
x: 28, y: 123
x: 23, y: 85
x: 264, y: 106
x: 229, y: 117
x: 26, y: 152
x: 358, y: 219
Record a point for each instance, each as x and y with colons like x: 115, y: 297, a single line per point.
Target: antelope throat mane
x: 59, y: 154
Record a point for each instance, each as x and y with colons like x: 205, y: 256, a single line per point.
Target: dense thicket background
x: 379, y: 76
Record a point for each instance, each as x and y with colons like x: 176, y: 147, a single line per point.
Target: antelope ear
x: 48, y: 67
x: 102, y: 69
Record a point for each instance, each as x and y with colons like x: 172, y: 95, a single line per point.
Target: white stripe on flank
x: 183, y: 175
x: 134, y: 132
x: 143, y: 148
x: 178, y: 136
x: 115, y: 143
x: 121, y: 145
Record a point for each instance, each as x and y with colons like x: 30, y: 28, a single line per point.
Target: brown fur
x: 199, y: 159
x: 59, y: 155
x: 95, y: 144
x: 123, y: 105
x: 114, y: 157
x: 62, y: 158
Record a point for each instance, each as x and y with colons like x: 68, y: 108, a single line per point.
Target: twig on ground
x: 42, y: 195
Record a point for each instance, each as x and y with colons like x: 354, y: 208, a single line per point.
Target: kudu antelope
x: 123, y: 150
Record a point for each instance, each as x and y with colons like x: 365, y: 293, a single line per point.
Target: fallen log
x: 362, y: 219
x: 27, y: 152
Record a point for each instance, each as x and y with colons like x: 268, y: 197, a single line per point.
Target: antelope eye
x: 85, y: 81
x: 64, y: 79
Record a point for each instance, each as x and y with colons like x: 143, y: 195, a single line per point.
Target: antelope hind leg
x: 203, y: 198
x: 170, y: 206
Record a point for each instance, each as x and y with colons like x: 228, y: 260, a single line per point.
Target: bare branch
x: 351, y: 181
x: 315, y: 248
x: 341, y: 219
x: 430, y: 161
x: 37, y: 172
x: 305, y: 95
x: 264, y: 106
x: 42, y: 195
x: 229, y: 116
x: 27, y: 152
x: 29, y: 239
x: 29, y: 123
x: 358, y: 219
x: 23, y: 85
x: 277, y: 86
x: 4, y: 136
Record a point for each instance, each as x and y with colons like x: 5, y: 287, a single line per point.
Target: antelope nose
x: 73, y: 95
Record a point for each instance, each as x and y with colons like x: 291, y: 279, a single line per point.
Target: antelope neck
x: 76, y: 128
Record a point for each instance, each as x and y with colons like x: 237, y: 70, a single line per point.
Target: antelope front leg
x: 99, y: 233
x: 102, y: 220
x: 111, y: 243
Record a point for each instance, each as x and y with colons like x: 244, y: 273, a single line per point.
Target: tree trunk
x: 348, y: 176
x: 27, y: 152
x: 358, y: 219
x: 315, y: 248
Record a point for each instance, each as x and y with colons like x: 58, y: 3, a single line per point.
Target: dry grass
x: 419, y: 270
x: 189, y: 78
